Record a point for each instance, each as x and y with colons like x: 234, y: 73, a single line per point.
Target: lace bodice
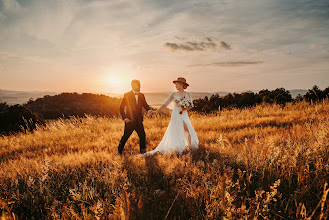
x: 176, y: 98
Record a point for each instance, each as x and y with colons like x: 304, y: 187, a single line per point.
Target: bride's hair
x: 184, y: 85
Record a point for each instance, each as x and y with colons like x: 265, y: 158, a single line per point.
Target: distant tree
x: 326, y: 93
x: 282, y: 96
x: 278, y: 96
x: 202, y: 105
x: 17, y: 118
x: 298, y: 98
x: 247, y: 99
x: 228, y: 100
x: 3, y: 106
x: 266, y: 96
x: 314, y: 94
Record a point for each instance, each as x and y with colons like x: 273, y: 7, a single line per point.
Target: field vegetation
x: 263, y: 162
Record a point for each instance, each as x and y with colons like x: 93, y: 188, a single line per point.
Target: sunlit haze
x: 218, y: 45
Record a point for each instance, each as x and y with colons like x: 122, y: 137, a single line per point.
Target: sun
x: 115, y: 78
x: 115, y: 83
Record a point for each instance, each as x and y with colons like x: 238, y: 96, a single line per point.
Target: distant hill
x: 74, y: 104
x: 157, y: 99
x: 295, y: 92
x: 154, y: 99
x: 21, y: 97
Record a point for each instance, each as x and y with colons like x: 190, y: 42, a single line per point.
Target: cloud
x: 99, y: 32
x: 287, y: 53
x: 6, y: 56
x: 315, y: 46
x: 225, y: 45
x: 180, y: 38
x: 206, y: 44
x: 9, y: 5
x: 235, y: 63
x: 318, y: 47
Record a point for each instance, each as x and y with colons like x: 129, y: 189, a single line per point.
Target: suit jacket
x: 129, y: 108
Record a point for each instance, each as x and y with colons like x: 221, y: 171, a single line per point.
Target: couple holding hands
x: 179, y: 133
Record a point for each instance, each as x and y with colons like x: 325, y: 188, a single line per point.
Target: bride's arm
x: 166, y: 103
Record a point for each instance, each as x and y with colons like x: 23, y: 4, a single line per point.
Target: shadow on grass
x: 153, y: 194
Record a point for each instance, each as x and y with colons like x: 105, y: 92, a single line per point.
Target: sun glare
x: 116, y: 78
x: 115, y: 84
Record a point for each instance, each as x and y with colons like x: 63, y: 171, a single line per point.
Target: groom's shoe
x: 143, y: 151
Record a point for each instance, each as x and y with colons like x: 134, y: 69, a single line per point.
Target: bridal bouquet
x: 184, y: 104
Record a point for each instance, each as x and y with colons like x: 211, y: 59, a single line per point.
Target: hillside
x: 21, y: 97
x: 73, y: 104
x: 265, y: 162
x: 154, y: 99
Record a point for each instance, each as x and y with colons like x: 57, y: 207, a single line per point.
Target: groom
x: 132, y: 114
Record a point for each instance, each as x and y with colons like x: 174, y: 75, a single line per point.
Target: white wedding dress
x: 175, y: 139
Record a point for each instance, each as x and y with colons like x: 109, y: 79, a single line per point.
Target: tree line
x: 28, y: 116
x: 248, y: 99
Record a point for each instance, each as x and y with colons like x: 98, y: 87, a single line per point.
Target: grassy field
x: 265, y: 162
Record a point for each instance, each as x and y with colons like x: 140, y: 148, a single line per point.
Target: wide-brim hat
x: 181, y: 80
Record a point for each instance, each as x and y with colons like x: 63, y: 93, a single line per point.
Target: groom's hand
x: 150, y: 113
x: 127, y: 120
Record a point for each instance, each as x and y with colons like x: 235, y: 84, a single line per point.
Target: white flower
x: 184, y: 103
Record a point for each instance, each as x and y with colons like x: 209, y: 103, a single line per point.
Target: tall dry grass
x: 265, y: 162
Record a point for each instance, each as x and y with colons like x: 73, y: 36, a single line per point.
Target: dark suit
x: 133, y: 111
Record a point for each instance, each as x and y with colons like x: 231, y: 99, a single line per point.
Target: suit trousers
x: 130, y: 127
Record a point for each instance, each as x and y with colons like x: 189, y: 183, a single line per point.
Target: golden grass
x: 265, y: 162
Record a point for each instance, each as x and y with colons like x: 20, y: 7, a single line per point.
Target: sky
x: 217, y: 45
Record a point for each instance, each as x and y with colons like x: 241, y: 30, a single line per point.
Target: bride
x: 180, y: 131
